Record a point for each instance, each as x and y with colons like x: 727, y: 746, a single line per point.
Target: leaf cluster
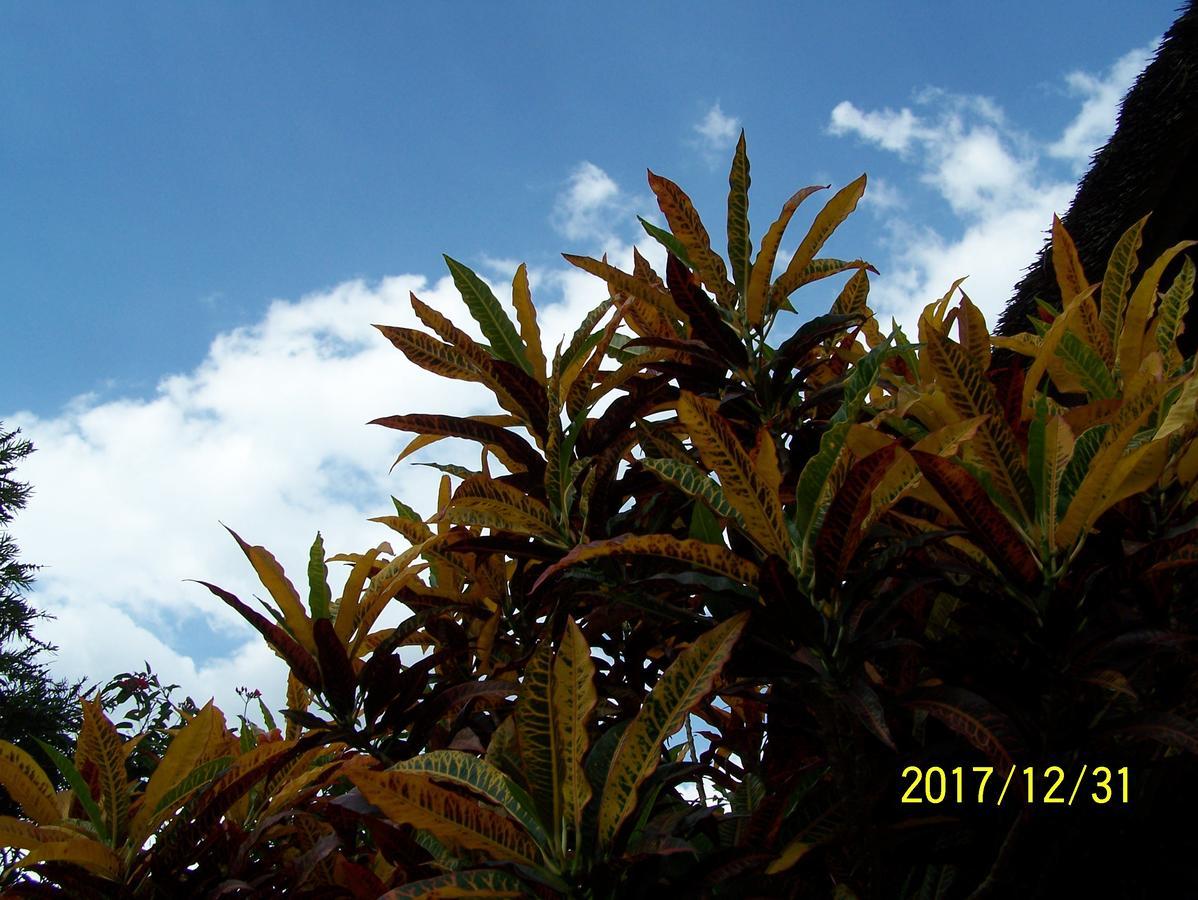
x: 704, y: 597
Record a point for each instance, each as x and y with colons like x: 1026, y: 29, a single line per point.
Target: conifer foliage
x: 33, y: 705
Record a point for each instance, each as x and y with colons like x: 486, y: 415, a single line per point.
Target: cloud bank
x: 1000, y: 185
x: 268, y: 436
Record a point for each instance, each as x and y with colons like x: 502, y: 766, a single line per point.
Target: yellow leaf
x: 971, y: 395
x: 863, y: 440
x: 1025, y: 343
x: 91, y: 855
x: 27, y: 784
x: 746, y: 492
x: 1058, y: 443
x: 25, y: 836
x: 192, y: 745
x: 1139, y: 310
x: 696, y: 553
x: 790, y: 855
x: 903, y: 475
x: 526, y: 314
x: 971, y: 328
x: 1065, y: 262
x: 687, y: 680
x: 1092, y: 331
x: 382, y: 589
x: 688, y: 228
x: 1046, y: 354
x: 271, y: 574
x: 499, y: 505
x: 298, y: 698
x: 619, y: 282
x: 763, y: 267
x: 1137, y: 472
x: 1182, y: 413
x: 100, y: 744
x: 459, y: 822
x: 574, y: 699
x: 1187, y: 466
x: 347, y: 606
x: 1093, y: 494
x: 826, y: 221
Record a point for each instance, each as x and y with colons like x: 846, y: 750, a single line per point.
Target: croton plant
x: 714, y: 584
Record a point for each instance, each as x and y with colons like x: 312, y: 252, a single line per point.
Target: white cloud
x: 882, y: 196
x: 715, y: 134
x: 718, y: 129
x: 591, y: 206
x: 1000, y: 184
x: 888, y: 129
x: 268, y: 435
x: 1101, y: 96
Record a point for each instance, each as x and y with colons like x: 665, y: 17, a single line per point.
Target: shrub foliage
x: 705, y: 597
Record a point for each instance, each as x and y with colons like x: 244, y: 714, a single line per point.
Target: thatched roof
x: 1150, y: 164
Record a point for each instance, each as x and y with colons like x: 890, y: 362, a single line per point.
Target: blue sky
x: 205, y: 205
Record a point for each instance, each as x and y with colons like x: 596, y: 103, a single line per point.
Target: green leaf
x: 686, y: 682
x: 704, y: 526
x: 404, y: 511
x: 1081, y: 359
x: 1084, y: 449
x: 667, y: 240
x: 79, y: 786
x: 319, y: 595
x: 489, y: 314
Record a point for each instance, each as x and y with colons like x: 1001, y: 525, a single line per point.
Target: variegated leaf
x: 489, y: 314
x: 740, y: 243
x: 683, y: 685
x: 454, y: 820
x: 763, y: 268
x: 692, y: 481
x: 27, y: 785
x: 574, y: 699
x: 1117, y: 280
x: 759, y: 506
x: 483, y: 778
x: 708, y: 557
x: 835, y: 211
x: 686, y: 225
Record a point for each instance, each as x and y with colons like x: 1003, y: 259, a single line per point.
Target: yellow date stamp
x: 1033, y: 785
